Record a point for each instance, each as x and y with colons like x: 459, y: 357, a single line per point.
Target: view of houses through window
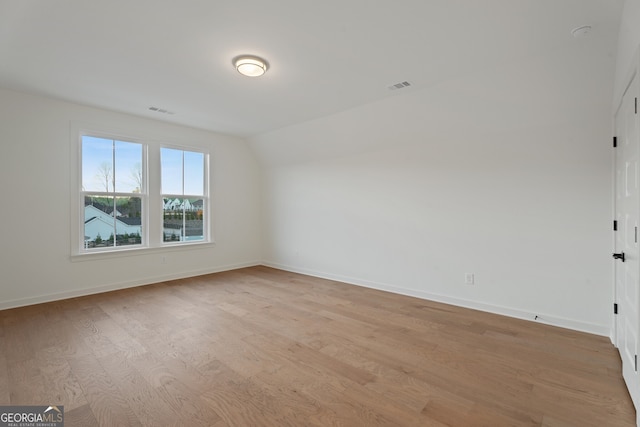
x: 183, y: 219
x: 118, y: 219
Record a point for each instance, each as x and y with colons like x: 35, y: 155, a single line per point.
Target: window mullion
x: 113, y: 186
x: 184, y: 210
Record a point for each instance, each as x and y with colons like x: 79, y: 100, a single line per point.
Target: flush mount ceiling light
x: 250, y: 66
x: 581, y: 31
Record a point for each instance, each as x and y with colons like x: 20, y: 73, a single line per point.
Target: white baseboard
x: 4, y: 305
x: 495, y: 309
x: 505, y: 311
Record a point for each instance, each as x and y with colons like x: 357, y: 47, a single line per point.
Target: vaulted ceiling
x: 325, y: 56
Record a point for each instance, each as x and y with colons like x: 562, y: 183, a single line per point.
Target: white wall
x: 628, y: 43
x: 504, y: 173
x: 35, y: 262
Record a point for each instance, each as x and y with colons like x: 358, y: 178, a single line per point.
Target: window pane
x: 183, y: 174
x: 128, y: 167
x: 97, y: 164
x: 194, y: 214
x: 171, y: 165
x: 112, y: 221
x: 173, y: 219
x: 99, y: 224
x: 128, y: 221
x: 183, y: 219
x: 193, y: 173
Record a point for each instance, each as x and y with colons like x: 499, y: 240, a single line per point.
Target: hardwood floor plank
x: 491, y: 416
x: 564, y: 404
x: 104, y: 396
x: 391, y: 383
x: 449, y: 410
x: 243, y: 358
x: 143, y: 399
x: 26, y: 383
x: 61, y: 385
x: 80, y: 417
x: 295, y: 405
x: 307, y: 358
x: 16, y: 342
x: 4, y: 380
x: 240, y: 402
x: 549, y: 421
x: 244, y: 404
x: 182, y: 396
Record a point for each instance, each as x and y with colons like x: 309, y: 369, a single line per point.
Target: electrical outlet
x: 469, y: 279
x: 163, y: 260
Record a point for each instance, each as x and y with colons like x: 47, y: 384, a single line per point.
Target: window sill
x: 139, y: 251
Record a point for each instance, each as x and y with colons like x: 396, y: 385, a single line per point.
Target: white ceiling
x: 325, y: 56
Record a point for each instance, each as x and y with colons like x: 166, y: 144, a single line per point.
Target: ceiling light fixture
x: 581, y: 31
x: 250, y: 66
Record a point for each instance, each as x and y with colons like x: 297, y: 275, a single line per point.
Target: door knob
x: 619, y: 256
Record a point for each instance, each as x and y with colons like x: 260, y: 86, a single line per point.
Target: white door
x: 627, y: 212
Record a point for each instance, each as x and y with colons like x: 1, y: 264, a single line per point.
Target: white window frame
x: 143, y: 195
x: 205, y: 196
x: 152, y: 205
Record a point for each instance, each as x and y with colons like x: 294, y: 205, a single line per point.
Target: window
x: 113, y: 193
x: 130, y: 194
x: 183, y: 195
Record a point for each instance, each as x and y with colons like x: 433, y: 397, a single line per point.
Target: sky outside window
x: 182, y: 172
x: 99, y: 165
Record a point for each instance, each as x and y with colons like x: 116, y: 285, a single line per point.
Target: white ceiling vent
x: 400, y: 85
x: 160, y: 110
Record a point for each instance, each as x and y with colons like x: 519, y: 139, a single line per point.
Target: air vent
x: 400, y: 85
x: 160, y: 110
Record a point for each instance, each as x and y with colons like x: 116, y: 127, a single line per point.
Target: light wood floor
x: 258, y: 346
